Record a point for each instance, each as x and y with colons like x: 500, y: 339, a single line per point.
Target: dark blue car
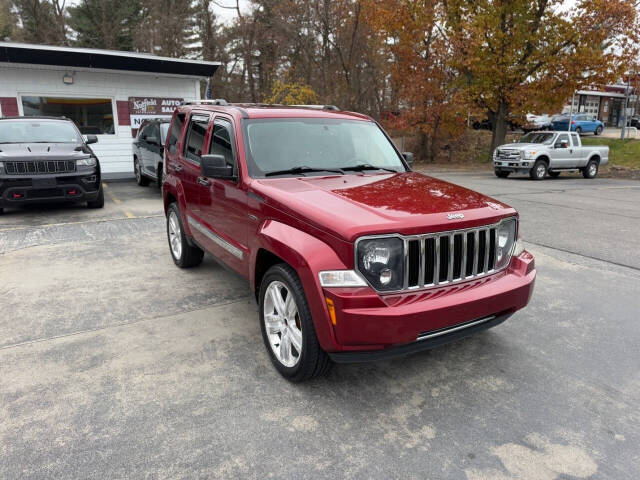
x: 580, y: 123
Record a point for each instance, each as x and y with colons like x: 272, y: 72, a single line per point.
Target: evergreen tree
x: 109, y: 24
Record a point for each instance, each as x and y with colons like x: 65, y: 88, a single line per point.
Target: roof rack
x: 217, y: 101
x: 318, y: 107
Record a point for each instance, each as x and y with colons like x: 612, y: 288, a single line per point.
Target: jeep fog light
x: 506, y: 240
x: 341, y: 278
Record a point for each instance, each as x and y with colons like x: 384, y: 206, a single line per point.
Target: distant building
x: 106, y: 93
x: 606, y: 103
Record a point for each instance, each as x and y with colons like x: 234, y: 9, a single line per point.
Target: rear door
x: 190, y: 154
x: 154, y: 149
x: 577, y: 152
x: 224, y: 213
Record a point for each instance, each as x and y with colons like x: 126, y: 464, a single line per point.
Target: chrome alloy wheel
x: 282, y: 323
x: 593, y: 169
x: 175, y: 235
x: 541, y: 170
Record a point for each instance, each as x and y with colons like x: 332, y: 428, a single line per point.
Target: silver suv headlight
x: 381, y: 261
x: 507, y: 230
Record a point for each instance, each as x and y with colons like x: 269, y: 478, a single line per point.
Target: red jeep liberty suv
x: 351, y: 255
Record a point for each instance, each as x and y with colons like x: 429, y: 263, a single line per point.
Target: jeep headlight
x: 505, y: 242
x: 86, y: 162
x: 381, y: 262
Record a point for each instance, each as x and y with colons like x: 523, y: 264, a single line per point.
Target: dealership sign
x: 145, y: 108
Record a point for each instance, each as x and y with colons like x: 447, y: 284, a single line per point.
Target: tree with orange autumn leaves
x: 502, y: 57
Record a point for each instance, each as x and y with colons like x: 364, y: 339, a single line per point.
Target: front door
x: 224, y: 210
x: 562, y: 152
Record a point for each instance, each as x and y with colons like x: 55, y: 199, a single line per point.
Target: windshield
x: 38, y: 131
x: 535, y: 137
x: 276, y: 145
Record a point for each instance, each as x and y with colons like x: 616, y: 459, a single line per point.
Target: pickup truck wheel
x: 287, y: 326
x: 591, y: 170
x: 501, y: 173
x: 539, y: 170
x: 140, y: 178
x: 599, y: 130
x: 554, y: 174
x: 183, y: 254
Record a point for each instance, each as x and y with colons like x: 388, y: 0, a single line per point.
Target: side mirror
x: 215, y: 166
x: 91, y: 139
x: 408, y: 157
x: 561, y: 145
x: 151, y: 140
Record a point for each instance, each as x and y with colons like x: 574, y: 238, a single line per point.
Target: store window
x: 93, y: 116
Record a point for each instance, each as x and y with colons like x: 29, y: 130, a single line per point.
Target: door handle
x: 203, y: 181
x: 177, y: 168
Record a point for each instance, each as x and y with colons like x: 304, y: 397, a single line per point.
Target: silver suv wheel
x: 282, y: 323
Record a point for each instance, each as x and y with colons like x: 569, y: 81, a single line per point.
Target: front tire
x: 598, y: 130
x: 539, y: 170
x: 591, y: 170
x: 287, y: 327
x: 501, y: 173
x: 184, y: 255
x: 140, y: 178
x: 579, y: 130
x: 99, y: 201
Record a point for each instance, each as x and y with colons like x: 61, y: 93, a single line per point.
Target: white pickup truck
x: 542, y: 153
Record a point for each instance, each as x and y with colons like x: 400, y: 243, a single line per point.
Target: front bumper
x: 80, y: 186
x: 522, y: 166
x: 371, y: 326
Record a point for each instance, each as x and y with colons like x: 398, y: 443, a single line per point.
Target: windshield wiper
x: 302, y: 169
x: 367, y: 166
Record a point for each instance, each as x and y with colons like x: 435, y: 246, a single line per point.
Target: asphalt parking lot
x: 116, y: 364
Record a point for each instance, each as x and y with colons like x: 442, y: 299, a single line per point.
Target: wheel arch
x: 307, y: 255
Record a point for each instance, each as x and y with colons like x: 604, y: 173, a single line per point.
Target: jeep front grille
x: 40, y: 167
x: 449, y: 257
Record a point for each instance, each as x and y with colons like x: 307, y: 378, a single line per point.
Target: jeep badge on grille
x: 455, y: 216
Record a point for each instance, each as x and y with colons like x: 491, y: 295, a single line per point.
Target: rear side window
x: 574, y: 137
x: 195, y: 138
x: 222, y: 143
x: 176, y: 130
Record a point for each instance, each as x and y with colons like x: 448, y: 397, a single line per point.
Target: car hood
x: 40, y: 151
x: 518, y: 146
x: 409, y: 203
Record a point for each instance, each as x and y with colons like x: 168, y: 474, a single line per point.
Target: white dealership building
x: 106, y: 93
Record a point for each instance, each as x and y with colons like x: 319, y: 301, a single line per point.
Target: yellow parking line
x: 117, y: 201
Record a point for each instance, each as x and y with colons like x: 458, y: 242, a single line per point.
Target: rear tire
x: 184, y: 255
x: 539, y: 170
x: 579, y: 130
x: 591, y: 170
x: 554, y: 174
x: 501, y: 173
x: 140, y: 178
x: 290, y: 324
x: 99, y: 201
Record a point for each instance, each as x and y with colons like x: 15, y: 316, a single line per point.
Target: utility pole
x: 626, y: 104
x: 573, y: 99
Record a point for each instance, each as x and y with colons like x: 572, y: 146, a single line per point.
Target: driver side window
x: 562, y: 141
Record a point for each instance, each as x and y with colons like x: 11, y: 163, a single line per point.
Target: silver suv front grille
x: 449, y: 257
